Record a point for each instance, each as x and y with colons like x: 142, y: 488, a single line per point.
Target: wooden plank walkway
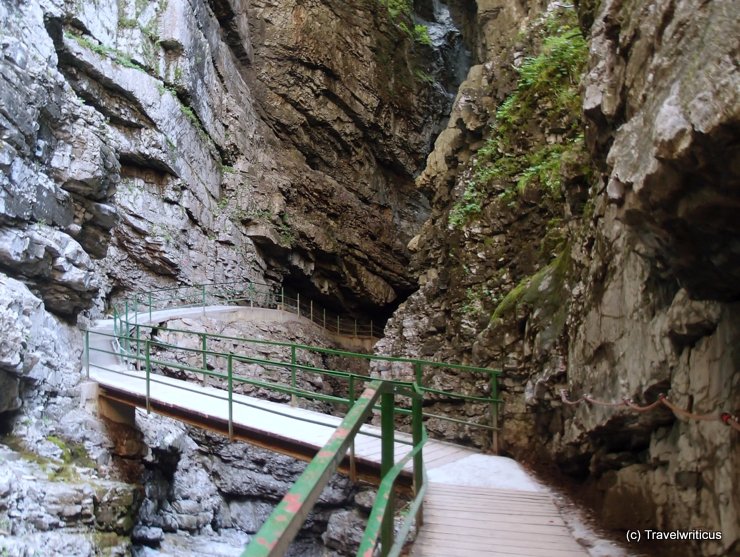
x: 483, y: 521
x: 476, y: 504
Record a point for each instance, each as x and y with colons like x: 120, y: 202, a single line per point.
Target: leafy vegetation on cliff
x: 400, y: 12
x: 537, y: 130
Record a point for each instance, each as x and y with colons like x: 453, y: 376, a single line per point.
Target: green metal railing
x: 134, y: 340
x: 276, y: 534
x: 282, y: 526
x: 130, y: 335
x: 252, y: 294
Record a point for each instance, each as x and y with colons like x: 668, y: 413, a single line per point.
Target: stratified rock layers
x: 144, y: 144
x: 212, y: 141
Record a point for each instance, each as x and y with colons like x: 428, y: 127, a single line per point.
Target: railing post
x: 230, y: 380
x: 204, y: 297
x: 386, y: 463
x: 282, y: 297
x: 204, y: 348
x: 417, y: 427
x: 147, y: 356
x: 418, y: 374
x: 298, y: 304
x: 126, y: 331
x: 352, y: 463
x: 311, y: 304
x: 87, y: 352
x: 324, y: 318
x: 355, y: 328
x: 150, y: 306
x: 494, y: 413
x: 338, y: 324
x: 138, y: 348
x: 371, y: 328
x: 293, y: 383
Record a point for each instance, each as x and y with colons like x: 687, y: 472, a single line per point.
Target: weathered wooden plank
x: 487, y: 508
x: 510, y: 528
x: 433, y: 548
x: 489, y: 521
x: 442, y: 459
x: 513, y: 543
x: 503, y: 537
x: 467, y: 490
x: 493, y: 505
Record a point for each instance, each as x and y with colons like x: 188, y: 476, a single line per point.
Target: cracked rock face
x: 204, y: 489
x: 35, y: 348
x: 673, y: 119
x: 58, y: 170
x: 42, y: 513
x: 170, y: 145
x: 643, y: 301
x: 340, y: 87
x: 140, y: 145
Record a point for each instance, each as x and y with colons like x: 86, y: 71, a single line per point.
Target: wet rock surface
x: 143, y: 144
x: 53, y: 507
x: 202, y: 489
x: 164, y: 141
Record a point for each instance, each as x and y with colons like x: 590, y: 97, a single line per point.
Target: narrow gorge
x: 545, y: 189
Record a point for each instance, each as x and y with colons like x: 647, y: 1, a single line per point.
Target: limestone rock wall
x: 352, y: 100
x: 141, y: 145
x: 639, y: 295
x: 200, y: 141
x: 220, y: 492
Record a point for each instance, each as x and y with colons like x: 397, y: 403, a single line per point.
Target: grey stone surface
x: 647, y: 300
x: 200, y: 487
x: 51, y: 507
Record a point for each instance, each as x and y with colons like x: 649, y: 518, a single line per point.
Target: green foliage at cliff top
x: 546, y: 99
x: 400, y: 12
x: 397, y: 8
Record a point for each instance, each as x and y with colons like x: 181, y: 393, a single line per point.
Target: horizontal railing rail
x: 131, y: 350
x: 282, y: 526
x: 252, y: 294
x: 274, y: 537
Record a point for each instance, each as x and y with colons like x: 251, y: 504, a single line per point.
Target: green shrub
x: 421, y: 34
x: 546, y: 96
x: 398, y: 8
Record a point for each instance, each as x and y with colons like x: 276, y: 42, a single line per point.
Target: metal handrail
x: 131, y: 351
x: 281, y: 527
x: 256, y: 294
x: 128, y: 325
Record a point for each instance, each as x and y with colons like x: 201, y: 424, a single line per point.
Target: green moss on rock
x: 537, y: 134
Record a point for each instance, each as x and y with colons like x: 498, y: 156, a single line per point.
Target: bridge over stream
x: 465, y: 502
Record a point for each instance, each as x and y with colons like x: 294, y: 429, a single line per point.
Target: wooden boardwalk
x: 475, y: 505
x: 482, y: 521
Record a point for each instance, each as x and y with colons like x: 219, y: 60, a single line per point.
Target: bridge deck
x: 273, y: 425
